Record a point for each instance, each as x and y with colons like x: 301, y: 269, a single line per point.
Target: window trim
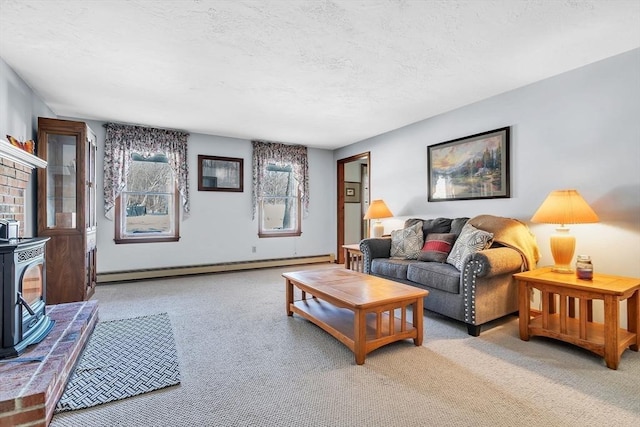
x: 119, y: 237
x: 281, y: 233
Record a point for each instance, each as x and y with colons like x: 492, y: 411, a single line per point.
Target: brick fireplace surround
x: 14, y: 179
x: 29, y: 391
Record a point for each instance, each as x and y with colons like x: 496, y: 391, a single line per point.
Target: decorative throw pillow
x: 470, y: 241
x: 407, y: 243
x: 437, y: 247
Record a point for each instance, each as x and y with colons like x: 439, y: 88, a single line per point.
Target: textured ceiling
x: 320, y: 73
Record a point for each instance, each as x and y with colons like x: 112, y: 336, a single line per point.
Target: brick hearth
x: 29, y: 391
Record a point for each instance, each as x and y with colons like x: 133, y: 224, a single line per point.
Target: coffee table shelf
x: 340, y: 323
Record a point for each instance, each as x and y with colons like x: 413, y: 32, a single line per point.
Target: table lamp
x: 378, y: 209
x: 564, y: 207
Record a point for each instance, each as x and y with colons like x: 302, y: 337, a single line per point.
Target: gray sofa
x: 483, y: 289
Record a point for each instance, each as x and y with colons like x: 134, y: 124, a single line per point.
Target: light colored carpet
x: 243, y: 362
x: 123, y: 358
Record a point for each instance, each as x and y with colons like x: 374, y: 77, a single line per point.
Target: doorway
x: 353, y: 200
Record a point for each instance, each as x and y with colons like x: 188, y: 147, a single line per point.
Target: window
x: 280, y: 203
x: 147, y: 208
x: 146, y: 182
x: 280, y: 190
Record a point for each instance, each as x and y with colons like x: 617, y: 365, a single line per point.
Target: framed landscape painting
x: 473, y: 167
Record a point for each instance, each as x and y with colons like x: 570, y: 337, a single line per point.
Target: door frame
x: 340, y: 204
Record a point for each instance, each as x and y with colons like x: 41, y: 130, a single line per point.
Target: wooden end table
x: 357, y: 309
x: 353, y: 257
x: 604, y: 339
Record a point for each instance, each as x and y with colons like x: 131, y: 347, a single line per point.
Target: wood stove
x: 23, y: 320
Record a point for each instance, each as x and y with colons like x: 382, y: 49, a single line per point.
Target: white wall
x: 577, y: 130
x: 19, y: 111
x: 219, y: 227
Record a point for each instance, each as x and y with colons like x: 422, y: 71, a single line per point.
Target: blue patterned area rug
x: 123, y: 358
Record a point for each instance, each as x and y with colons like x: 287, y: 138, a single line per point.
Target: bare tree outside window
x: 280, y: 201
x: 148, y: 199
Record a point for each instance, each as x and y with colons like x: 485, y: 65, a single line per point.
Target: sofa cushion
x: 444, y: 277
x: 407, y: 243
x: 437, y: 225
x: 391, y: 268
x: 437, y: 247
x: 457, y: 224
x: 470, y: 241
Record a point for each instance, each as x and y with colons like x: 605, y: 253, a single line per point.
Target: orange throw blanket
x: 511, y: 233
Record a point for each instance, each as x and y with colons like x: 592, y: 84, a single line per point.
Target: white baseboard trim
x: 154, y: 273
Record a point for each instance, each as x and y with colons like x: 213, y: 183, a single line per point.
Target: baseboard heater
x: 154, y: 273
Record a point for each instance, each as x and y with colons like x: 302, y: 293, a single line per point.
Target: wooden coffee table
x: 357, y: 309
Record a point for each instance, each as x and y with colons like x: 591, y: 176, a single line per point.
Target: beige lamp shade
x: 378, y: 209
x: 564, y: 207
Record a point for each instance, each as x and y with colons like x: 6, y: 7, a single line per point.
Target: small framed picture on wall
x: 351, y: 192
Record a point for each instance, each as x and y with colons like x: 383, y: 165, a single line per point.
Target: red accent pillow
x: 437, y: 247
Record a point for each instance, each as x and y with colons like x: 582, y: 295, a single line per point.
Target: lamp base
x: 562, y: 269
x: 562, y: 247
x: 378, y: 229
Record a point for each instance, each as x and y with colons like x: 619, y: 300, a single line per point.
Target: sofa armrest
x: 495, y: 261
x: 374, y: 248
x: 487, y: 284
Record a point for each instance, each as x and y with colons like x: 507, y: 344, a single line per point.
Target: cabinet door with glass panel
x: 61, y: 202
x: 90, y: 181
x: 91, y: 148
